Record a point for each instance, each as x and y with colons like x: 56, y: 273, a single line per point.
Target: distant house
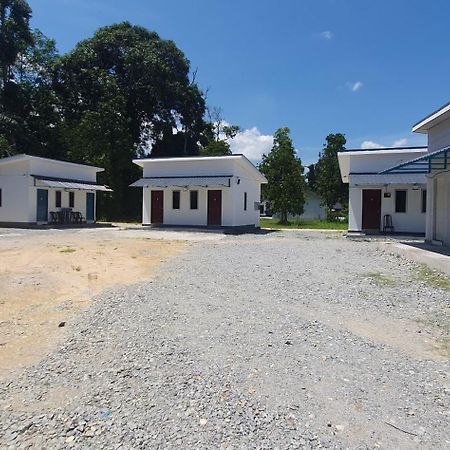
x: 379, y: 201
x: 312, y: 209
x: 434, y: 165
x: 215, y: 191
x: 36, y: 190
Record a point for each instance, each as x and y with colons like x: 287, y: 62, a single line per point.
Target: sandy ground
x: 47, y: 277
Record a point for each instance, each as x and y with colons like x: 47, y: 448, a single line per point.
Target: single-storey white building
x: 313, y: 208
x: 217, y: 191
x: 380, y: 201
x: 35, y: 190
x: 435, y: 167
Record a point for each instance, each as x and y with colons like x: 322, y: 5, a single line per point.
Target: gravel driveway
x: 283, y: 340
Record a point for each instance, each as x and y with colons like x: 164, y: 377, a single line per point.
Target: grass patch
x: 68, y: 250
x: 379, y: 279
x: 304, y: 224
x: 433, y: 278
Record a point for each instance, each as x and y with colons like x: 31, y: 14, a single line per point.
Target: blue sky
x: 369, y: 69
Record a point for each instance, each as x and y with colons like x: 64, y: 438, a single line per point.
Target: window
x: 176, y: 200
x: 58, y: 199
x: 71, y: 199
x: 245, y: 201
x: 194, y: 199
x: 424, y: 200
x: 400, y: 201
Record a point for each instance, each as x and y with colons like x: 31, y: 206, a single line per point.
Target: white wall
x: 188, y: 167
x: 58, y: 169
x: 233, y: 213
x: 412, y: 221
x: 15, y: 198
x: 442, y: 209
x: 439, y: 136
x: 251, y: 216
x: 185, y: 215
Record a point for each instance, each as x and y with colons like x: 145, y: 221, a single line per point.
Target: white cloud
x: 252, y: 144
x: 400, y: 142
x: 356, y: 86
x: 327, y: 35
x: 367, y: 145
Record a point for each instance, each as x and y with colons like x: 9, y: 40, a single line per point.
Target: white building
x: 200, y: 191
x: 313, y: 209
x: 435, y: 166
x: 36, y: 190
x: 377, y: 199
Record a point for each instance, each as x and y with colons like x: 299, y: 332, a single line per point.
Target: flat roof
x: 180, y: 159
x: 24, y: 156
x: 383, y: 150
x: 432, y: 119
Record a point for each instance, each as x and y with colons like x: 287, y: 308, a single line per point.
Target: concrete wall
x: 439, y: 136
x: 442, y: 208
x: 233, y: 213
x: 58, y: 169
x: 251, y: 215
x: 189, y: 167
x: 15, y: 198
x: 412, y: 221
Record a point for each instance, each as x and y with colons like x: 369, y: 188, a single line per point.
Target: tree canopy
x: 328, y: 183
x: 285, y: 189
x: 217, y: 133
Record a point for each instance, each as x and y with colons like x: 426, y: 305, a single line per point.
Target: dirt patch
x: 46, y: 279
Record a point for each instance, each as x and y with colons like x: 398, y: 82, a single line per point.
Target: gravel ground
x: 283, y: 340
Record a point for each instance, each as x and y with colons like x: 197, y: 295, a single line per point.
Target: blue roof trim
x: 438, y: 160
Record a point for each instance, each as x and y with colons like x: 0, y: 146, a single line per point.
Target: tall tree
x: 329, y: 184
x: 15, y: 35
x: 311, y: 177
x: 15, y: 38
x: 128, y: 87
x: 218, y: 133
x: 285, y: 189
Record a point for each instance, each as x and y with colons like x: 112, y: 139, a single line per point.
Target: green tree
x: 217, y: 133
x: 15, y: 35
x: 329, y: 184
x: 119, y: 91
x: 285, y: 189
x: 15, y: 38
x: 311, y: 177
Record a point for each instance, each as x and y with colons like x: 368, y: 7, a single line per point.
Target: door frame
x: 364, y: 209
x: 152, y: 211
x: 210, y: 220
x: 37, y: 205
x: 90, y: 195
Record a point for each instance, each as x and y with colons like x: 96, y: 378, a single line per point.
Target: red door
x: 215, y: 207
x: 371, y: 209
x: 157, y: 207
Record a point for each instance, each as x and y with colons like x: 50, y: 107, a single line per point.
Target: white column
x: 431, y: 213
x: 146, y: 207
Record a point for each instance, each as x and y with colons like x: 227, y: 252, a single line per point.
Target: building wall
x: 442, y: 208
x: 59, y: 170
x: 201, y: 167
x: 439, y: 136
x: 15, y: 198
x: 377, y: 161
x: 412, y: 221
x: 251, y: 215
